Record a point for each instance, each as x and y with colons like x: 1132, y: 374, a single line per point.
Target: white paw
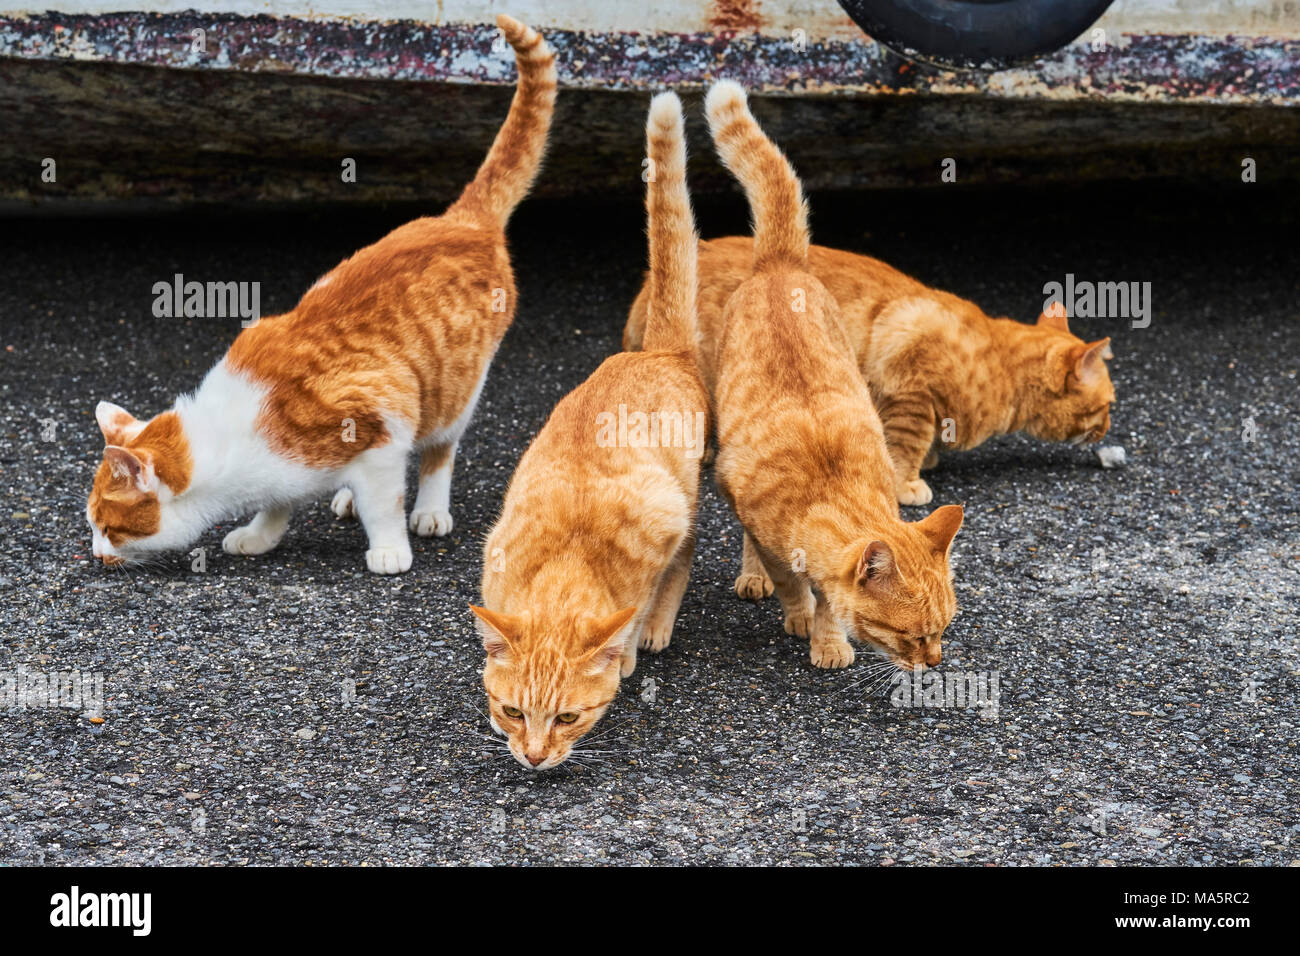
x: 389, y: 560
x: 431, y: 523
x: 342, y: 504
x: 247, y: 541
x: 914, y: 492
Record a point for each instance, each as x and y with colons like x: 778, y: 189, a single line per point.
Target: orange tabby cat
x: 386, y: 354
x: 592, y: 553
x: 943, y: 374
x: 801, y: 451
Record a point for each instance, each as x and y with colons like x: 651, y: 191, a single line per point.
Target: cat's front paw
x: 914, y: 492
x: 831, y: 653
x: 388, y: 560
x: 342, y: 504
x: 627, y: 663
x: 799, y: 621
x: 429, y: 524
x: 247, y: 541
x: 753, y: 587
x: 655, y: 637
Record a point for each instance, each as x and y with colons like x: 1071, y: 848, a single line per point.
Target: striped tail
x: 771, y: 185
x: 516, y: 154
x: 670, y: 322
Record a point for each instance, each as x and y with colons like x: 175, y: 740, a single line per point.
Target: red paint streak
x: 735, y: 15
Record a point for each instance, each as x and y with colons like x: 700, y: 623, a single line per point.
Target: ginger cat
x: 592, y: 552
x: 801, y: 451
x: 943, y: 374
x: 386, y: 354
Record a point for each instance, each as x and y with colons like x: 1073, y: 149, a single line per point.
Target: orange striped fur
x: 124, y: 509
x: 408, y: 326
x: 591, y: 555
x: 944, y: 375
x: 388, y: 350
x: 801, y: 451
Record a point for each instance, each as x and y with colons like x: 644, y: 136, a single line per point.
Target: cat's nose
x: 534, y: 760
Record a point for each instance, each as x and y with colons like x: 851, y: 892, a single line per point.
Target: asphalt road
x: 1140, y: 622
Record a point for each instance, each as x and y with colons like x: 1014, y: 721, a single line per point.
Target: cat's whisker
x: 877, y: 670
x: 606, y: 731
x: 879, y: 689
x: 886, y: 677
x: 879, y: 676
x: 872, y: 673
x: 584, y: 761
x: 485, y: 741
x: 469, y: 731
x: 875, y: 675
x: 486, y: 737
x: 606, y: 754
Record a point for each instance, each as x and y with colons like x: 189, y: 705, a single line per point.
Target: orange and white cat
x: 801, y: 451
x: 383, y: 356
x: 591, y: 555
x: 944, y: 375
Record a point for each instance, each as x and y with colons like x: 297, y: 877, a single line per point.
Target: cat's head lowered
x: 548, y: 683
x: 145, y: 465
x: 1071, y: 391
x: 894, y: 589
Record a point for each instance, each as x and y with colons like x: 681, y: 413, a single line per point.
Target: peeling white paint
x: 821, y: 19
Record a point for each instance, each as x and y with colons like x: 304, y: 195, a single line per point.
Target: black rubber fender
x: 970, y: 34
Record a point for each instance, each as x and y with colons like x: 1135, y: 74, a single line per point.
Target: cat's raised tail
x: 775, y: 196
x: 516, y: 154
x: 670, y: 323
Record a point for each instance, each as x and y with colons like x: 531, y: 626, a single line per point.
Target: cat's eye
x: 567, y: 718
x: 512, y: 712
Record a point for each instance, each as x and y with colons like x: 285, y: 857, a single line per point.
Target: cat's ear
x: 875, y: 565
x: 1054, y: 317
x: 499, y: 631
x: 1089, y: 361
x: 941, y: 526
x: 606, y: 637
x: 118, y: 425
x: 130, y: 470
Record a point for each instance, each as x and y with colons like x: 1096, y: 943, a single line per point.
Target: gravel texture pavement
x: 1140, y: 621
